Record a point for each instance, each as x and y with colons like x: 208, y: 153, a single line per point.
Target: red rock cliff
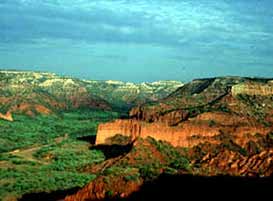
x: 186, y: 134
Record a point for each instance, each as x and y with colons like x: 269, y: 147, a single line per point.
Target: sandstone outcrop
x: 185, y: 134
x: 177, y: 136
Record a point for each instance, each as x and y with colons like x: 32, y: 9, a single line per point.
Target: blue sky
x: 138, y: 40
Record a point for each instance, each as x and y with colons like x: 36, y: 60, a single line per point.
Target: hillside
x: 206, y: 134
x: 38, y: 92
x: 136, y: 171
x: 200, y: 109
x: 44, y: 93
x: 127, y: 94
x: 228, y: 116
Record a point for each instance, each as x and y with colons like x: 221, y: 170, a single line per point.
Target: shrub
x: 180, y: 164
x: 148, y: 172
x: 132, y: 177
x: 170, y: 170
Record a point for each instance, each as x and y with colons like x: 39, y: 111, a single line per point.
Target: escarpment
x: 186, y: 134
x: 199, y: 111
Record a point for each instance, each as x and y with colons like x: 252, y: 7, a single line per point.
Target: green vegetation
x: 133, y: 177
x: 20, y: 180
x: 69, y: 155
x: 45, y: 153
x: 257, y: 106
x: 26, y: 131
x: 42, y: 154
x: 147, y: 160
x: 149, y: 171
x: 180, y: 163
x: 117, y: 170
x: 171, y: 154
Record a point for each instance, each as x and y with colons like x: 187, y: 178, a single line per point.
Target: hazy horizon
x: 130, y: 81
x: 138, y: 41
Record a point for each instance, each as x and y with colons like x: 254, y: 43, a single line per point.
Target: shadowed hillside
x: 174, y: 187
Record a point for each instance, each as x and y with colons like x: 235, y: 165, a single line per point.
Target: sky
x: 138, y: 40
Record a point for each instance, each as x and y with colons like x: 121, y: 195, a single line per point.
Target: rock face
x: 170, y: 118
x: 186, y: 134
x: 177, y: 136
x: 199, y: 111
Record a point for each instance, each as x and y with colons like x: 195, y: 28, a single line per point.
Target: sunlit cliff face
x: 138, y: 40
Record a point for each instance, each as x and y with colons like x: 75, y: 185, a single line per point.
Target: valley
x: 46, y: 123
x: 68, y: 139
x: 44, y: 154
x: 125, y: 100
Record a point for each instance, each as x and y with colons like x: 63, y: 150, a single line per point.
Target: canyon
x: 32, y: 93
x: 202, y: 129
x: 221, y: 126
x: 226, y: 108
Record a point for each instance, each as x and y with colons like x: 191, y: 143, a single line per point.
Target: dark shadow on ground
x: 113, y: 151
x: 180, y: 187
x: 89, y: 138
x: 186, y: 187
x: 53, y: 196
